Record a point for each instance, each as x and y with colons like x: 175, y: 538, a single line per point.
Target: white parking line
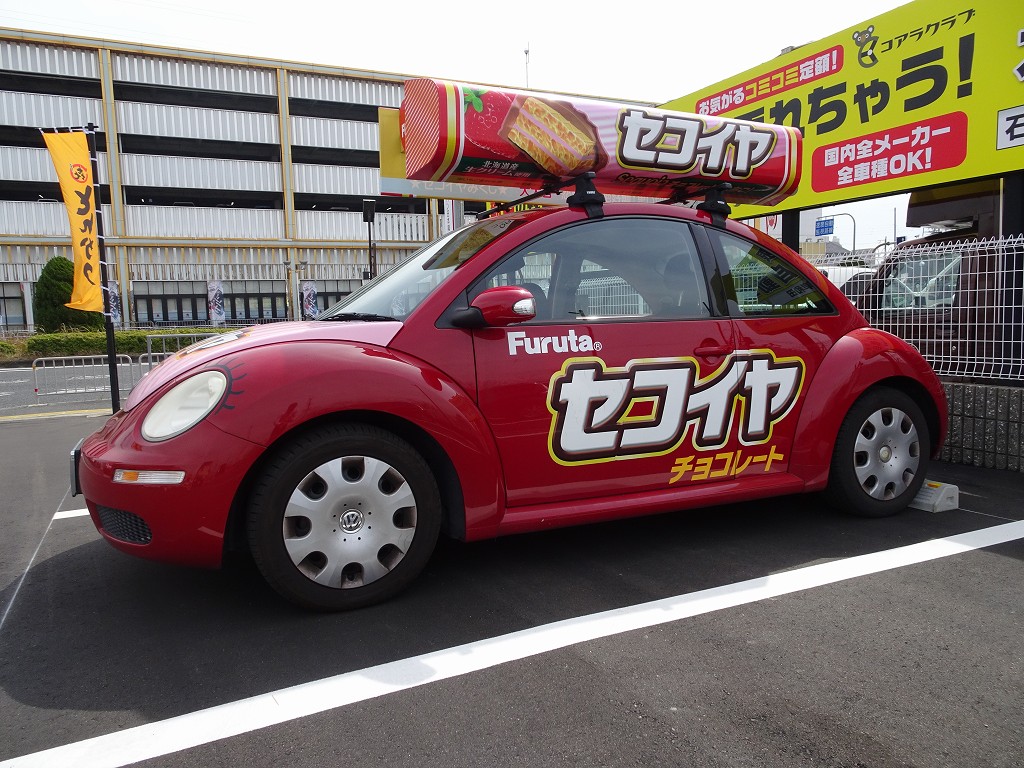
x: 165, y: 737
x: 71, y: 513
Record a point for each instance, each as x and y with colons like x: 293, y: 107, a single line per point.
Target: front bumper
x: 76, y: 455
x: 183, y: 523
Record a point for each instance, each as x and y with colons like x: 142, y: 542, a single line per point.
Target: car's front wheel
x: 343, y: 516
x: 881, y: 454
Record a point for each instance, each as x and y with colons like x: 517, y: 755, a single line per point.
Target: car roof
x: 662, y: 210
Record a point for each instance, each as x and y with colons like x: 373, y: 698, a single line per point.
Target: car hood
x: 233, y: 342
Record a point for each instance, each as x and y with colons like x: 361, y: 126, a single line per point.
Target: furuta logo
x: 542, y: 345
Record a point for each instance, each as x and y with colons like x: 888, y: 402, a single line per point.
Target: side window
x: 602, y: 292
x: 765, y: 284
x: 616, y: 268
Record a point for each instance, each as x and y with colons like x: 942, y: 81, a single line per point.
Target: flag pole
x: 108, y: 315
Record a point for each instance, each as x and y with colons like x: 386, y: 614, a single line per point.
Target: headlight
x: 184, y: 406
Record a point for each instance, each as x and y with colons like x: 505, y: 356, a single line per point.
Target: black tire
x: 343, y: 516
x: 880, y: 456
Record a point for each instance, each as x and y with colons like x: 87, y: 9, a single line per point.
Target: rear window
x: 766, y: 284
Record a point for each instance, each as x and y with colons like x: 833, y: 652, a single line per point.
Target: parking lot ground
x: 917, y: 663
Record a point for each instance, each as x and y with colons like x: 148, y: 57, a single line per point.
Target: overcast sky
x: 648, y: 51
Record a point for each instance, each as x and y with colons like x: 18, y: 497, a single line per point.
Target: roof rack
x: 592, y: 201
x: 713, y: 203
x: 547, y: 189
x: 586, y: 195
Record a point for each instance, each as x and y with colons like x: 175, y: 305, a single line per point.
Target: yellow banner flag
x: 71, y: 159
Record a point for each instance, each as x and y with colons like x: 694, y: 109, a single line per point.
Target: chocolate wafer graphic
x: 558, y: 138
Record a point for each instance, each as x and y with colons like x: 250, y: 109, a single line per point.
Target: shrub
x: 66, y: 344
x: 52, y: 292
x: 82, y: 343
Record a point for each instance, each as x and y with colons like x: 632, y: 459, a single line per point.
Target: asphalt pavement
x: 773, y: 633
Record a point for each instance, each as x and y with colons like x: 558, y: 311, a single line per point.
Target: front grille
x: 124, y: 526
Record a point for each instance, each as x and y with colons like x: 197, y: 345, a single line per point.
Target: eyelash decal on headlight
x: 229, y: 370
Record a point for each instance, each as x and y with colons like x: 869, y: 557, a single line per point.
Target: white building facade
x: 249, y: 174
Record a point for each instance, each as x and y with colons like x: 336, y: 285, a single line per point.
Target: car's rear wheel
x: 880, y: 455
x: 343, y: 516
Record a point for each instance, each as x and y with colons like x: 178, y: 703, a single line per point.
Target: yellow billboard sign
x: 929, y: 93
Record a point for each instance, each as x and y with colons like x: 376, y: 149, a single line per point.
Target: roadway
x: 16, y: 390
x: 762, y: 634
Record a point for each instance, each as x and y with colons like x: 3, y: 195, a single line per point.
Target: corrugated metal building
x: 248, y: 173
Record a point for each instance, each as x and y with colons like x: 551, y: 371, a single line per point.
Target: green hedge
x: 52, y: 292
x: 80, y: 343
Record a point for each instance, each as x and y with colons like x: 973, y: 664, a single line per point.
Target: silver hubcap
x: 887, y: 454
x: 349, y: 522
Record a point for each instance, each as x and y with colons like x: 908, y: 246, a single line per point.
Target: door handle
x: 713, y: 350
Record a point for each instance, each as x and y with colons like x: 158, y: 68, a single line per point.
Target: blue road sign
x: 824, y: 227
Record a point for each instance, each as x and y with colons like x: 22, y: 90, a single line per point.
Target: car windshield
x: 396, y: 293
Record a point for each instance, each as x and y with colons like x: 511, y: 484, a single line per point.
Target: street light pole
x: 371, y: 247
x: 854, y: 249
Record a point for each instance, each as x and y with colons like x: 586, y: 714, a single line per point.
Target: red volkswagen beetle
x: 531, y: 370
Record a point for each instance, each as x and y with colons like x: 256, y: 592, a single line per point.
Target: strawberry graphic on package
x: 484, y: 114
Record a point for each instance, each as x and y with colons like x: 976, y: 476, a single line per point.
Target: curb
x: 54, y: 415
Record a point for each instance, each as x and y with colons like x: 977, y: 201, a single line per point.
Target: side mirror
x: 497, y: 308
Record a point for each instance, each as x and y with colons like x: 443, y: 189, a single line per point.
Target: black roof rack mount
x: 587, y: 197
x: 714, y: 203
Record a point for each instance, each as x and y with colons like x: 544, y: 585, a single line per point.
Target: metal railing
x: 87, y: 377
x: 65, y: 379
x: 162, y: 346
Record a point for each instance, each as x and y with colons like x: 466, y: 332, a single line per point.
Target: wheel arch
x: 920, y: 394
x: 453, y: 522
x: 861, y: 362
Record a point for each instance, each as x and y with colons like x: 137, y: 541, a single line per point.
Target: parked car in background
x: 946, y: 294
